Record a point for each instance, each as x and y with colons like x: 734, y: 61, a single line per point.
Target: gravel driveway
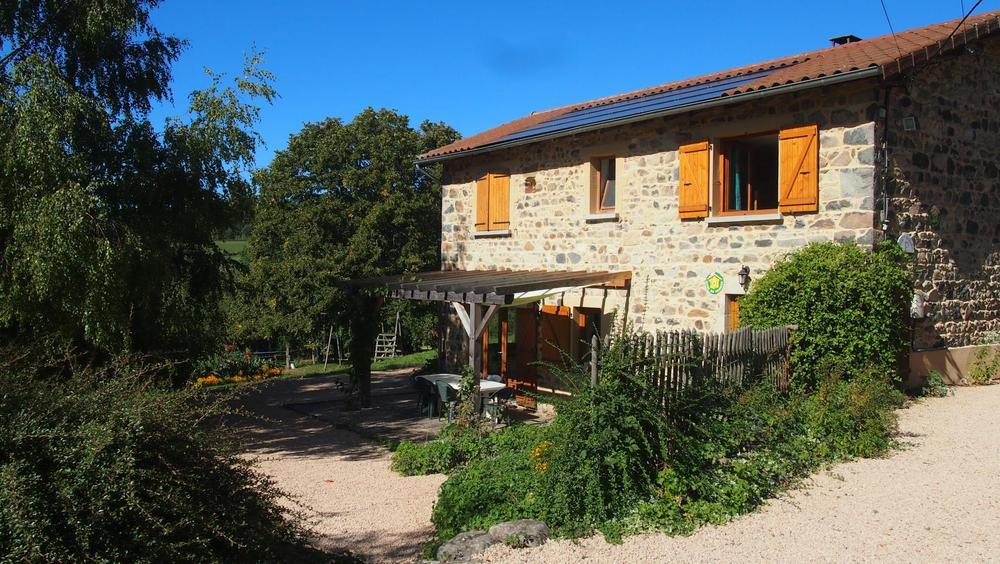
x: 936, y: 500
x: 340, y: 479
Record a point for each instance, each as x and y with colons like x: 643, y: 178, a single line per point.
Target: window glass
x: 748, y: 169
x: 608, y: 183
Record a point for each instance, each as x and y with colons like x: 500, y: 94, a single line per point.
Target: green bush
x: 613, y: 461
x: 488, y: 491
x: 854, y: 417
x: 606, y: 447
x: 102, y: 466
x: 737, y: 448
x: 985, y: 368
x: 935, y: 387
x: 419, y: 459
x: 456, y: 446
x: 850, y: 305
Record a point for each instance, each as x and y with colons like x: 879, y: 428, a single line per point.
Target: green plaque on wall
x: 714, y: 282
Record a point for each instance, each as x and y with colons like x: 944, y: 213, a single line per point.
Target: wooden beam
x: 490, y: 312
x: 464, y: 316
x: 567, y: 281
x: 539, y: 277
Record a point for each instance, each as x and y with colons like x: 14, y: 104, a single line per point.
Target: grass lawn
x: 236, y: 249
x: 413, y: 360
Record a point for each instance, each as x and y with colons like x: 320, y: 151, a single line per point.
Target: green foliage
x: 606, y: 446
x: 850, y: 306
x: 457, y: 446
x: 419, y: 459
x: 614, y: 462
x: 985, y: 367
x: 489, y: 491
x: 102, y: 466
x: 231, y: 362
x: 106, y: 223
x: 737, y: 448
x: 935, y: 387
x: 342, y: 201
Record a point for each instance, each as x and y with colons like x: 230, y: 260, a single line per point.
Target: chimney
x: 844, y: 40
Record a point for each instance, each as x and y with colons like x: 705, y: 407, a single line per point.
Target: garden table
x: 487, y: 388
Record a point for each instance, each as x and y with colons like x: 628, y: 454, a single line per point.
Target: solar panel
x: 637, y: 106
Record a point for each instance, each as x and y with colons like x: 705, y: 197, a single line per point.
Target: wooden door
x: 732, y: 313
x: 556, y: 334
x: 523, y: 373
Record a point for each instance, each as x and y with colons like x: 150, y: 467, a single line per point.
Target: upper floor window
x: 602, y: 182
x: 760, y: 173
x: 493, y: 202
x: 747, y: 175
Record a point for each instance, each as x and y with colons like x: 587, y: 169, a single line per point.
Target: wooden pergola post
x: 474, y: 321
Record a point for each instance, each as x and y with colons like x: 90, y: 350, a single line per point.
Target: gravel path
x: 937, y: 500
x: 350, y: 496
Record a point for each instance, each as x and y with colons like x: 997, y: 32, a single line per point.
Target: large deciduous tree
x: 344, y: 200
x: 106, y: 222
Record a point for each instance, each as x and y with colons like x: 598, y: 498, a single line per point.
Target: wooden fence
x: 671, y: 362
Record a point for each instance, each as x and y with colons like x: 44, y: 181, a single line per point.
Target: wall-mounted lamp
x: 744, y: 276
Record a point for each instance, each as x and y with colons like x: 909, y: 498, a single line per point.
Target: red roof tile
x: 892, y: 55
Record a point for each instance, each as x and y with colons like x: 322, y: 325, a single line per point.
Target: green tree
x: 106, y: 223
x: 344, y: 200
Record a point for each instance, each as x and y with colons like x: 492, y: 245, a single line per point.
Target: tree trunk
x: 288, y: 356
x: 364, y: 326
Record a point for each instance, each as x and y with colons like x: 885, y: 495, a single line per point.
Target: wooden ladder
x: 385, y: 344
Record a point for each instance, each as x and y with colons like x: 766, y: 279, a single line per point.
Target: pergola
x: 477, y: 295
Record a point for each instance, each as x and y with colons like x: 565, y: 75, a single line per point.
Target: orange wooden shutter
x: 499, y: 202
x: 798, y: 169
x: 483, y: 203
x: 693, y: 192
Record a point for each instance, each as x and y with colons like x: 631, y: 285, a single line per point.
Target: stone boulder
x: 465, y: 546
x: 521, y: 533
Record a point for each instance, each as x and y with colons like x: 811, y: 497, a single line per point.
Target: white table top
x: 486, y: 387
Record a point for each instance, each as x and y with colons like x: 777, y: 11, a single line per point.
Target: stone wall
x: 670, y: 258
x: 946, y: 191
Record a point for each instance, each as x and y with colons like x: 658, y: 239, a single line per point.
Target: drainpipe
x: 882, y: 162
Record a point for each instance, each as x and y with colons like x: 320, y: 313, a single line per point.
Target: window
x: 754, y: 174
x: 602, y: 180
x: 747, y: 175
x: 732, y: 312
x: 493, y: 202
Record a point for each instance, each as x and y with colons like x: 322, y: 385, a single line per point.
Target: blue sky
x: 477, y: 64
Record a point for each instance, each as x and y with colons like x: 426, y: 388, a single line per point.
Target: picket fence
x: 672, y: 362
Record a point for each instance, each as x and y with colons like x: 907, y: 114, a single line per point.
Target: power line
x: 965, y: 17
x: 888, y: 21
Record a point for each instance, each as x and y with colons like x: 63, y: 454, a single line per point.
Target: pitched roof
x: 885, y: 55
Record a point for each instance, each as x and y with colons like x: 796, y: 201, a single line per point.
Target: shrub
x: 456, y: 446
x: 419, y: 459
x: 985, y: 367
x: 232, y: 366
x: 735, y: 449
x: 606, y: 447
x: 488, y: 491
x: 852, y: 418
x: 850, y: 305
x: 102, y: 466
x: 935, y: 387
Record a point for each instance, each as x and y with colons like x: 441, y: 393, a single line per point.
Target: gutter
x: 856, y: 74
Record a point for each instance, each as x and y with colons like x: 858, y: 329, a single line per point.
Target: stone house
x: 698, y: 185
